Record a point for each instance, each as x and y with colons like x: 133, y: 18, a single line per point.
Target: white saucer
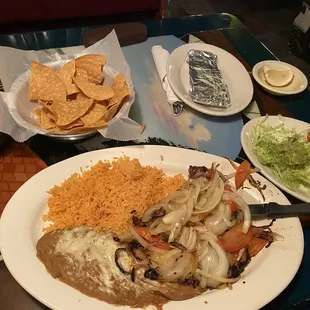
x: 234, y: 74
x: 298, y: 84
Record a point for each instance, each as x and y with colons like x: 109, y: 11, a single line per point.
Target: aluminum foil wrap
x: 206, y: 83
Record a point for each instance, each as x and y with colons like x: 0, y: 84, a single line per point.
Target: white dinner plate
x: 233, y: 72
x: 267, y: 172
x: 266, y: 276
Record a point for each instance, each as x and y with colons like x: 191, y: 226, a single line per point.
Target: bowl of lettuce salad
x: 280, y: 147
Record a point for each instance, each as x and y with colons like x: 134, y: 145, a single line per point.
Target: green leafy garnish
x: 285, y: 152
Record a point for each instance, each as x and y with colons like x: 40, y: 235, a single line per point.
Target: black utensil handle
x: 276, y: 210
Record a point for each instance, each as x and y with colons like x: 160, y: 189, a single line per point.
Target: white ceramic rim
x: 18, y: 236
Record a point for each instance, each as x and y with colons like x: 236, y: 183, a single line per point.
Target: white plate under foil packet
x: 240, y: 89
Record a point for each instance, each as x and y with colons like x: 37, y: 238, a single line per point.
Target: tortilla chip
x: 68, y: 111
x: 81, y: 74
x: 92, y: 64
x: 35, y: 124
x: 95, y: 74
x: 45, y: 84
x: 96, y: 92
x: 81, y: 96
x: 37, y: 113
x: 49, y: 113
x: 76, y: 130
x: 93, y: 58
x: 121, y: 90
x: 46, y: 122
x: 60, y: 130
x: 119, y: 81
x: 72, y: 96
x: 100, y: 124
x: 76, y: 123
x: 68, y: 68
x: 45, y: 104
x: 66, y: 73
x: 104, y: 102
x: 95, y: 81
x: 111, y: 113
x: 94, y: 114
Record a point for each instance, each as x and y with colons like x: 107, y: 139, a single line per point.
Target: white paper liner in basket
x: 16, y: 111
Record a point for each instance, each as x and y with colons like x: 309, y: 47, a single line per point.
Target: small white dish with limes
x: 279, y: 78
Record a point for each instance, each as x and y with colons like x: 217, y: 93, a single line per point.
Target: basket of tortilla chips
x: 68, y: 96
x: 72, y: 99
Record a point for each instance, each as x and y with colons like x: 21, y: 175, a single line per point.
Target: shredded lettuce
x: 285, y: 152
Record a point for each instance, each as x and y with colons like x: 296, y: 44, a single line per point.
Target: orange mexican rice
x: 104, y: 196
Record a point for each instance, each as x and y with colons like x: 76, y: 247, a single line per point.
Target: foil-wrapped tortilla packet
x: 206, y: 83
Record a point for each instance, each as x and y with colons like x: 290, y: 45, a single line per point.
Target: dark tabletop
x: 222, y: 30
